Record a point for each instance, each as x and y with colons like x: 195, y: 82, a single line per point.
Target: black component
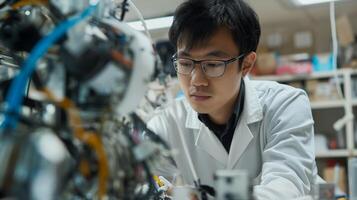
x: 7, y: 2
x: 37, y: 81
x: 80, y: 70
x: 208, y: 189
x: 204, y: 190
x: 3, y: 4
x: 10, y: 177
x: 93, y: 102
x: 229, y: 196
x: 165, y: 50
x: 140, y: 124
x: 57, y: 16
x: 95, y: 56
x: 18, y: 33
x: 4, y: 87
x: 229, y: 180
x: 124, y: 9
x: 152, y: 190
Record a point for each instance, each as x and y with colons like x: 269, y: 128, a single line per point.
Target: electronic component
x: 71, y: 134
x: 232, y: 184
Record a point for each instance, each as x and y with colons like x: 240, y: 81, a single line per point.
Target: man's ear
x: 248, y: 63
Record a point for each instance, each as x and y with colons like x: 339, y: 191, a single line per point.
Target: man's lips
x: 199, y: 97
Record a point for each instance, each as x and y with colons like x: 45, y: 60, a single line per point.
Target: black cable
x: 7, y: 2
x: 152, y: 189
x: 208, y: 189
x: 139, y: 123
x: 153, y: 136
x: 3, y: 4
x: 124, y: 9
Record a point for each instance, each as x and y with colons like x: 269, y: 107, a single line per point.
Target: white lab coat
x: 273, y: 141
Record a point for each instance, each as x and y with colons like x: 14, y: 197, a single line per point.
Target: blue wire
x: 14, y: 99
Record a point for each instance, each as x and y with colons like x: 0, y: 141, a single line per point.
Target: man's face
x: 212, y: 95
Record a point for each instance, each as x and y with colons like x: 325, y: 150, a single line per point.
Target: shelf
x: 328, y: 104
x: 333, y: 153
x: 297, y: 77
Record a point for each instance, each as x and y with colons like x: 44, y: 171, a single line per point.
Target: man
x: 227, y: 121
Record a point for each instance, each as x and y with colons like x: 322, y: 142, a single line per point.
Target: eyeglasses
x: 211, y: 68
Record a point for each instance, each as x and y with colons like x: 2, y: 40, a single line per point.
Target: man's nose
x: 198, y: 77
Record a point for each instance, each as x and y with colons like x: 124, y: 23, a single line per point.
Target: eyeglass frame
x: 226, y: 62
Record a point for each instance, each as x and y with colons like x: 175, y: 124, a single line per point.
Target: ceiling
x: 270, y: 11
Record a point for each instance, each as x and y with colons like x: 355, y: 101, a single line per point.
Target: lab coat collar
x: 252, y: 112
x: 204, y: 139
x: 252, y: 107
x: 192, y: 120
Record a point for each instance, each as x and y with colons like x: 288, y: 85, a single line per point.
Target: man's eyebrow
x: 215, y: 53
x: 218, y: 53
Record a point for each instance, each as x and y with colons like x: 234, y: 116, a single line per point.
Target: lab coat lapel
x: 204, y: 138
x: 208, y: 142
x: 252, y: 112
x: 241, y: 139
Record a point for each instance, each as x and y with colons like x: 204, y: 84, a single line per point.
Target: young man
x: 226, y: 120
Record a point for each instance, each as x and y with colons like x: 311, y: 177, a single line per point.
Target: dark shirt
x: 225, y: 132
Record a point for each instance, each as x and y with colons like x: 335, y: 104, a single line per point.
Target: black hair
x: 195, y: 21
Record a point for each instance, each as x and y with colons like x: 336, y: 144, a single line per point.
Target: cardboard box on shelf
x: 294, y: 64
x: 303, y: 39
x: 296, y: 84
x: 344, y: 31
x: 294, y: 68
x: 348, y: 56
x: 329, y: 176
x: 321, y: 90
x: 266, y: 64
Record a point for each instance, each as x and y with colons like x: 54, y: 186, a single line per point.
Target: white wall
x: 320, y: 28
x: 321, y: 34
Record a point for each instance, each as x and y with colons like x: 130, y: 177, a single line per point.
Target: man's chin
x: 199, y: 108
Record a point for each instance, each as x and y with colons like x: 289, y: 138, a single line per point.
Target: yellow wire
x: 90, y: 138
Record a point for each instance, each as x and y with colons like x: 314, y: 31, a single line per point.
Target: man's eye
x: 214, y: 64
x: 185, y: 64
